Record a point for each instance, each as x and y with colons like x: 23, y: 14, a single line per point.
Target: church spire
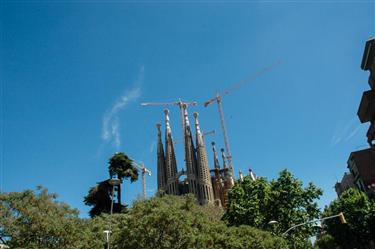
x: 161, y: 162
x: 204, y: 178
x: 217, y: 182
x: 167, y: 125
x: 216, y: 160
x: 190, y: 157
x: 170, y: 158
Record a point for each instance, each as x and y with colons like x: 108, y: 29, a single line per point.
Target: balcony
x: 368, y: 61
x: 366, y: 108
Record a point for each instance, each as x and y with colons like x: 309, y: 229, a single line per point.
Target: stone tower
x: 162, y: 177
x: 170, y: 159
x: 203, y: 177
x: 207, y: 186
x: 217, y: 180
x: 190, y: 157
x: 228, y: 179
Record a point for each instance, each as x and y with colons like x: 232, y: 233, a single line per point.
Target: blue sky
x: 73, y: 75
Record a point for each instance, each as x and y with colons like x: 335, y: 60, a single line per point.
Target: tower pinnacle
x: 216, y: 160
x: 158, y: 125
x: 167, y: 125
x: 162, y: 181
x: 224, y: 158
x: 190, y: 156
x: 170, y: 159
x: 196, y: 115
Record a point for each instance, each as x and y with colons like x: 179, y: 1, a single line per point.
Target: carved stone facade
x: 207, y: 188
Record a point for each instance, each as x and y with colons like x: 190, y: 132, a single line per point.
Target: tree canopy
x: 178, y: 222
x: 122, y: 165
x: 359, y: 212
x: 283, y: 200
x: 36, y: 220
x: 100, y: 196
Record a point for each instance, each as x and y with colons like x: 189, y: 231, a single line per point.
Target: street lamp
x: 272, y: 222
x: 107, y: 232
x: 340, y: 216
x: 113, y: 182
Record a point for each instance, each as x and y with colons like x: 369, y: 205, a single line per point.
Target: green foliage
x: 177, y: 222
x: 359, y: 212
x: 248, y: 203
x: 325, y: 242
x: 93, y: 236
x: 99, y: 196
x: 35, y: 220
x: 122, y: 165
x: 284, y: 200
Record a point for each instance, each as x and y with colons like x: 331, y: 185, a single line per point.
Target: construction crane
x: 141, y: 167
x: 218, y: 100
x: 181, y: 104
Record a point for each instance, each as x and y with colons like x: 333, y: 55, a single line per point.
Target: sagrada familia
x: 208, y: 186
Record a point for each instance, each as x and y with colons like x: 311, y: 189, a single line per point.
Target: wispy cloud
x: 111, y: 120
x: 352, y: 134
x: 152, y: 146
x: 345, y: 132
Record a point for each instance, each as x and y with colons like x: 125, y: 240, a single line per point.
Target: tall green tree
x: 100, y: 196
x: 35, y: 220
x: 359, y: 212
x: 283, y: 200
x: 122, y: 166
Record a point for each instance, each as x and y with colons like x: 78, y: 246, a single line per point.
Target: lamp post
x: 271, y: 222
x: 340, y: 216
x: 113, y: 182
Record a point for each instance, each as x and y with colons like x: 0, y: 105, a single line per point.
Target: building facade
x: 361, y: 163
x: 346, y: 182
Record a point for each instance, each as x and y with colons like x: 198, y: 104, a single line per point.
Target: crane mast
x: 218, y: 97
x: 141, y: 167
x: 225, y: 134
